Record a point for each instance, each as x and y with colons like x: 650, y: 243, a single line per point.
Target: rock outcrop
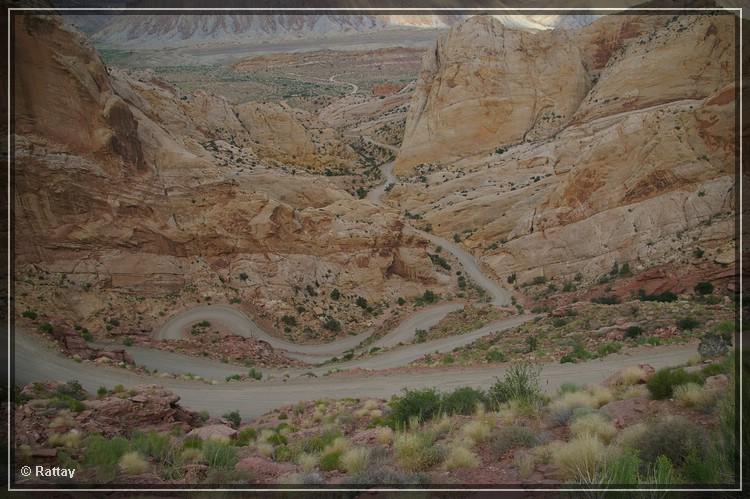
x: 124, y: 186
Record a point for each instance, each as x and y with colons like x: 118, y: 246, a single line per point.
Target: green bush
x: 335, y: 294
x: 331, y: 460
x: 609, y: 348
x: 29, y: 314
x: 509, y: 437
x: 687, y: 323
x: 424, y: 404
x: 495, y: 355
x: 606, y: 300
x: 704, y: 288
x: 332, y: 324
x: 255, y: 374
x: 246, y: 435
x: 676, y: 438
x: 46, y: 328
x: 520, y: 382
x: 234, y: 418
x: 633, y: 332
x: 579, y: 352
x: 661, y: 385
x: 462, y: 400
x: 666, y: 296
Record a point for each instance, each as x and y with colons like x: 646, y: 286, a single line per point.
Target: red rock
x: 263, y: 469
x: 626, y: 412
x: 720, y: 382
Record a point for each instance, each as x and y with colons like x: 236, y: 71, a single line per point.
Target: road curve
x: 34, y: 362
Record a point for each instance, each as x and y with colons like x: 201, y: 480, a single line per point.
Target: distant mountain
x: 166, y: 30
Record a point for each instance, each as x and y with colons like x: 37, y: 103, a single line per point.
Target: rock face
x: 635, y: 165
x: 515, y: 84
x: 75, y: 346
x: 172, y: 198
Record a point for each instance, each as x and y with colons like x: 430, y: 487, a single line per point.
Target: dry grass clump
x: 578, y: 459
x: 191, y: 455
x: 307, y: 462
x: 594, y: 424
x: 132, y: 463
x: 69, y: 440
x: 600, y: 395
x: 460, y: 457
x: 264, y: 449
x: 384, y: 435
x: 592, y: 397
x: 476, y: 431
x: 629, y: 376
x: 416, y: 451
x: 371, y: 404
x: 694, y: 395
x: 443, y: 426
x: 356, y: 459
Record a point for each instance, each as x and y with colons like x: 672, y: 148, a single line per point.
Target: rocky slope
x: 558, y: 153
x: 125, y: 189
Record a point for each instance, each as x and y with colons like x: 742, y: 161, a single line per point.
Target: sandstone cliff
x: 634, y: 162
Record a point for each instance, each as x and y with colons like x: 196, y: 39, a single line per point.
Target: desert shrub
x: 687, y: 323
x: 633, y: 332
x: 416, y: 451
x: 509, y: 437
x: 495, y: 355
x: 661, y: 385
x: 694, y: 395
x: 46, y: 328
x: 331, y: 460
x: 459, y: 457
x: 255, y: 374
x: 246, y: 435
x: 704, y: 288
x: 673, y: 437
x: 579, y: 458
x: 666, y: 296
x: 356, y: 459
x: 423, y: 404
x: 520, y: 382
x: 606, y: 300
x: 594, y: 424
x: 233, y: 417
x: 332, y: 324
x: 132, y: 463
x: 265, y: 449
x: 380, y: 475
x: 72, y: 389
x: 462, y: 400
x: 609, y: 348
x: 219, y: 455
x: 30, y: 314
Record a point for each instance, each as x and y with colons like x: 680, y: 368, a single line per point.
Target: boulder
x: 219, y: 431
x: 718, y: 383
